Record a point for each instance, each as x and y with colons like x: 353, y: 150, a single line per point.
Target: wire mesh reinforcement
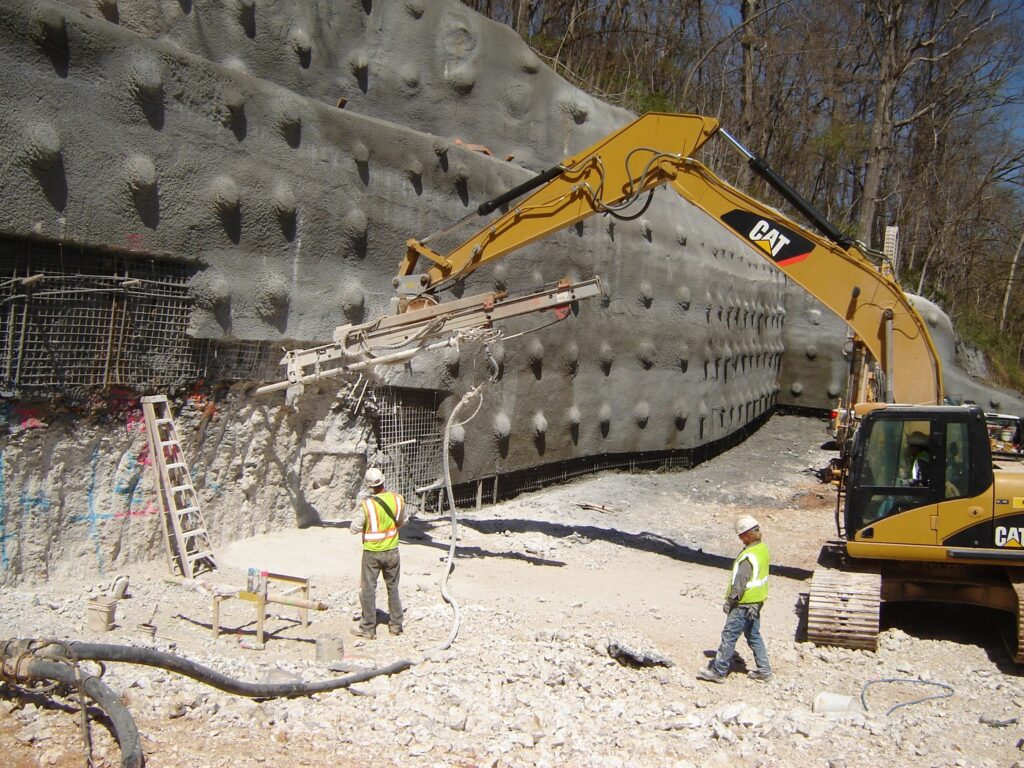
x: 74, y: 320
x: 409, y: 435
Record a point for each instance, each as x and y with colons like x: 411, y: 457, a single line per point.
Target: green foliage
x: 838, y: 140
x: 650, y: 102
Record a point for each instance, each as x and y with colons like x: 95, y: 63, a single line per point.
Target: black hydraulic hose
x: 154, y: 658
x: 125, y: 731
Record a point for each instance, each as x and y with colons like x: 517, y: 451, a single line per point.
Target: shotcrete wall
x: 284, y: 153
x: 960, y: 386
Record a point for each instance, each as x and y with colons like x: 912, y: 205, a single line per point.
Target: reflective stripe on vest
x: 757, y: 586
x: 380, y: 533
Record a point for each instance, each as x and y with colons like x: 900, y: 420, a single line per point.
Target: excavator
x: 924, y: 511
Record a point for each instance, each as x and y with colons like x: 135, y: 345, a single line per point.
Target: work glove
x: 726, y: 607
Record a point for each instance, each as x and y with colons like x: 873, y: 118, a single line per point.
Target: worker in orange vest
x: 378, y: 517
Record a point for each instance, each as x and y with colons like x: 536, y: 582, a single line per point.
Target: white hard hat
x: 374, y: 478
x: 745, y: 523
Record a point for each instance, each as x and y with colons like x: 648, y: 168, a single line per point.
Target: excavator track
x: 843, y: 609
x: 1017, y: 581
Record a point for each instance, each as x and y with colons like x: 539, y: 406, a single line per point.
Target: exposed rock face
x: 282, y: 154
x: 77, y: 493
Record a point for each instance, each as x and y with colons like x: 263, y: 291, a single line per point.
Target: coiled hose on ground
x: 22, y: 664
x: 26, y: 661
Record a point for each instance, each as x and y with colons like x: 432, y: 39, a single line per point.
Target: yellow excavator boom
x: 656, y: 150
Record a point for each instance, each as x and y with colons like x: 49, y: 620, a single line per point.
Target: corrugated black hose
x: 24, y: 667
x: 26, y: 660
x: 154, y: 658
x: 125, y: 731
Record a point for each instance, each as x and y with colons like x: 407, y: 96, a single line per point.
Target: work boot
x: 711, y: 676
x: 757, y: 674
x: 395, y: 630
x: 360, y: 632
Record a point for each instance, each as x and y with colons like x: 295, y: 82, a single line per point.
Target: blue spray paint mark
x: 125, y: 484
x: 38, y: 503
x: 92, y: 516
x: 129, y: 484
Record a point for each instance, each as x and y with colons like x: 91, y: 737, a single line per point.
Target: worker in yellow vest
x: 377, y: 517
x: 748, y: 589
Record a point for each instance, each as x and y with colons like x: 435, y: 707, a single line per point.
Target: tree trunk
x: 891, y: 14
x: 1009, y: 284
x: 521, y: 17
x: 747, y: 43
x: 924, y: 270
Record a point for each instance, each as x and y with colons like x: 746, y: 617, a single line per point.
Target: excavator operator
x: 920, y: 459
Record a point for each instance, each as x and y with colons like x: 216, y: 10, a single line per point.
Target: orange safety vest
x: 380, y: 532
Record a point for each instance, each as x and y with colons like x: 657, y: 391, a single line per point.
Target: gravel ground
x: 546, y: 590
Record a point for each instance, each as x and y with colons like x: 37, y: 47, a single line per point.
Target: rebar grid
x: 74, y: 320
x: 409, y: 434
x: 238, y: 360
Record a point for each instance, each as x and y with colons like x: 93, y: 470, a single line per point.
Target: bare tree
x: 880, y: 111
x: 1010, y: 284
x: 910, y: 35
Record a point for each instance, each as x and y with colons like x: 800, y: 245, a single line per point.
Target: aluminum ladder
x: 186, y: 541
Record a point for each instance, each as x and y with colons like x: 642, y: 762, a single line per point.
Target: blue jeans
x: 745, y: 620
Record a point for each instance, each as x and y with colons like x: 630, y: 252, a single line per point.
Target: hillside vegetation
x: 882, y: 112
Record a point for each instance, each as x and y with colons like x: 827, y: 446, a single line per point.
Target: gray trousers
x: 388, y: 563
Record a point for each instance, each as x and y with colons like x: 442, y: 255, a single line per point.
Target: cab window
x: 958, y: 449
x: 898, y: 470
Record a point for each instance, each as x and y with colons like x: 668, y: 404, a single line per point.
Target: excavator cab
x: 911, y: 473
x: 927, y: 517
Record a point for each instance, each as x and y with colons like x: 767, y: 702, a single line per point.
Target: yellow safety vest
x: 380, y: 532
x: 757, y: 586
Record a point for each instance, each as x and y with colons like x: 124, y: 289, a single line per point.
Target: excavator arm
x: 655, y: 150
x: 855, y: 289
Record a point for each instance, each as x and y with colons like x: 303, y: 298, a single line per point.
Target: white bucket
x: 329, y: 649
x: 99, y: 615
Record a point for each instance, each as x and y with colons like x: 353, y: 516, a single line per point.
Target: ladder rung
x: 185, y: 510
x: 180, y: 488
x: 177, y: 465
x: 199, y: 556
x: 165, y: 443
x: 193, y: 533
x: 164, y: 420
